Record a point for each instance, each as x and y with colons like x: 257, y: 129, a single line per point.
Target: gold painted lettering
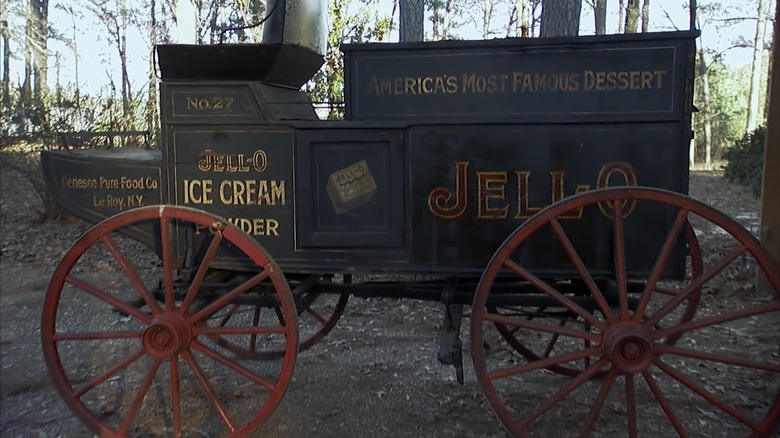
x: 524, y: 196
x: 278, y: 193
x: 440, y: 197
x: 410, y: 86
x: 491, y: 185
x: 197, y: 191
x: 604, y: 180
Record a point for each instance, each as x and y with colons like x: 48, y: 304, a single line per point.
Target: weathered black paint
x: 96, y: 184
x: 387, y: 223
x: 528, y: 80
x: 237, y: 145
x: 579, y: 152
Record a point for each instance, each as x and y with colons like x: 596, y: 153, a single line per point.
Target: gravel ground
x: 376, y: 374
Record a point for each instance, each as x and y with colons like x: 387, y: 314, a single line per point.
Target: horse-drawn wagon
x: 540, y: 181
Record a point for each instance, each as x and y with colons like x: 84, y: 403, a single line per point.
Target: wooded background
x: 52, y: 81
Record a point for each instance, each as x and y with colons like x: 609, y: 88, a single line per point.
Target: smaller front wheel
x: 128, y: 344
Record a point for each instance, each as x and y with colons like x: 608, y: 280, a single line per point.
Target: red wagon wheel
x: 551, y: 343
x: 719, y: 374
x: 126, y: 343
x: 318, y: 313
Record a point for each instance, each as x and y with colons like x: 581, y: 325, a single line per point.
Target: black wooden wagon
x: 540, y: 181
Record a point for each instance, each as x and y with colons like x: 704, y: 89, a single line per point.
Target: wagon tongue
x: 292, y: 49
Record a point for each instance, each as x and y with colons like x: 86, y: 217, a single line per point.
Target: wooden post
x: 770, y: 192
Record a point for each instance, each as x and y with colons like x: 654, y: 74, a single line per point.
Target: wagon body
x: 446, y: 148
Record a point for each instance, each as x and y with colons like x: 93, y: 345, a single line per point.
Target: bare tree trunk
x: 560, y: 17
x: 632, y: 16
x: 523, y: 29
x: 38, y: 32
x: 74, y: 48
x: 125, y: 75
x: 151, y: 99
x: 769, y: 73
x: 410, y: 26
x: 35, y: 60
x: 645, y: 15
x: 600, y: 16
x: 704, y: 111
x: 487, y: 9
x: 755, y: 69
x: 621, y: 16
x: 116, y: 25
x: 6, y: 87
x: 446, y: 18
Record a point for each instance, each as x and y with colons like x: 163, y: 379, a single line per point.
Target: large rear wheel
x: 645, y: 364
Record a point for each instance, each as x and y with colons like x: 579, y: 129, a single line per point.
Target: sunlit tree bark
x: 5, y: 38
x: 600, y: 16
x: 704, y: 111
x: 115, y: 18
x: 560, y: 17
x: 645, y: 15
x: 411, y: 20
x: 756, y: 69
x: 632, y: 16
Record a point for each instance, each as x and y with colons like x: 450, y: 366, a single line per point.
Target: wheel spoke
x: 660, y: 263
x: 202, y: 269
x: 224, y: 300
x: 139, y: 397
x: 587, y: 427
x: 717, y: 319
x: 620, y: 258
x: 211, y: 394
x: 544, y: 363
x: 630, y: 405
x: 564, y: 391
x: 255, y: 323
x: 127, y: 268
x: 110, y: 372
x: 722, y: 405
x: 553, y: 340
x: 667, y: 349
x: 167, y: 262
x: 557, y: 296
x: 530, y: 325
x: 694, y: 286
x: 249, y: 374
x: 229, y: 315
x: 664, y: 404
x: 317, y: 316
x: 582, y: 270
x: 103, y: 296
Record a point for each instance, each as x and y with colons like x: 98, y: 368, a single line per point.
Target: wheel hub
x: 629, y: 346
x: 168, y: 335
